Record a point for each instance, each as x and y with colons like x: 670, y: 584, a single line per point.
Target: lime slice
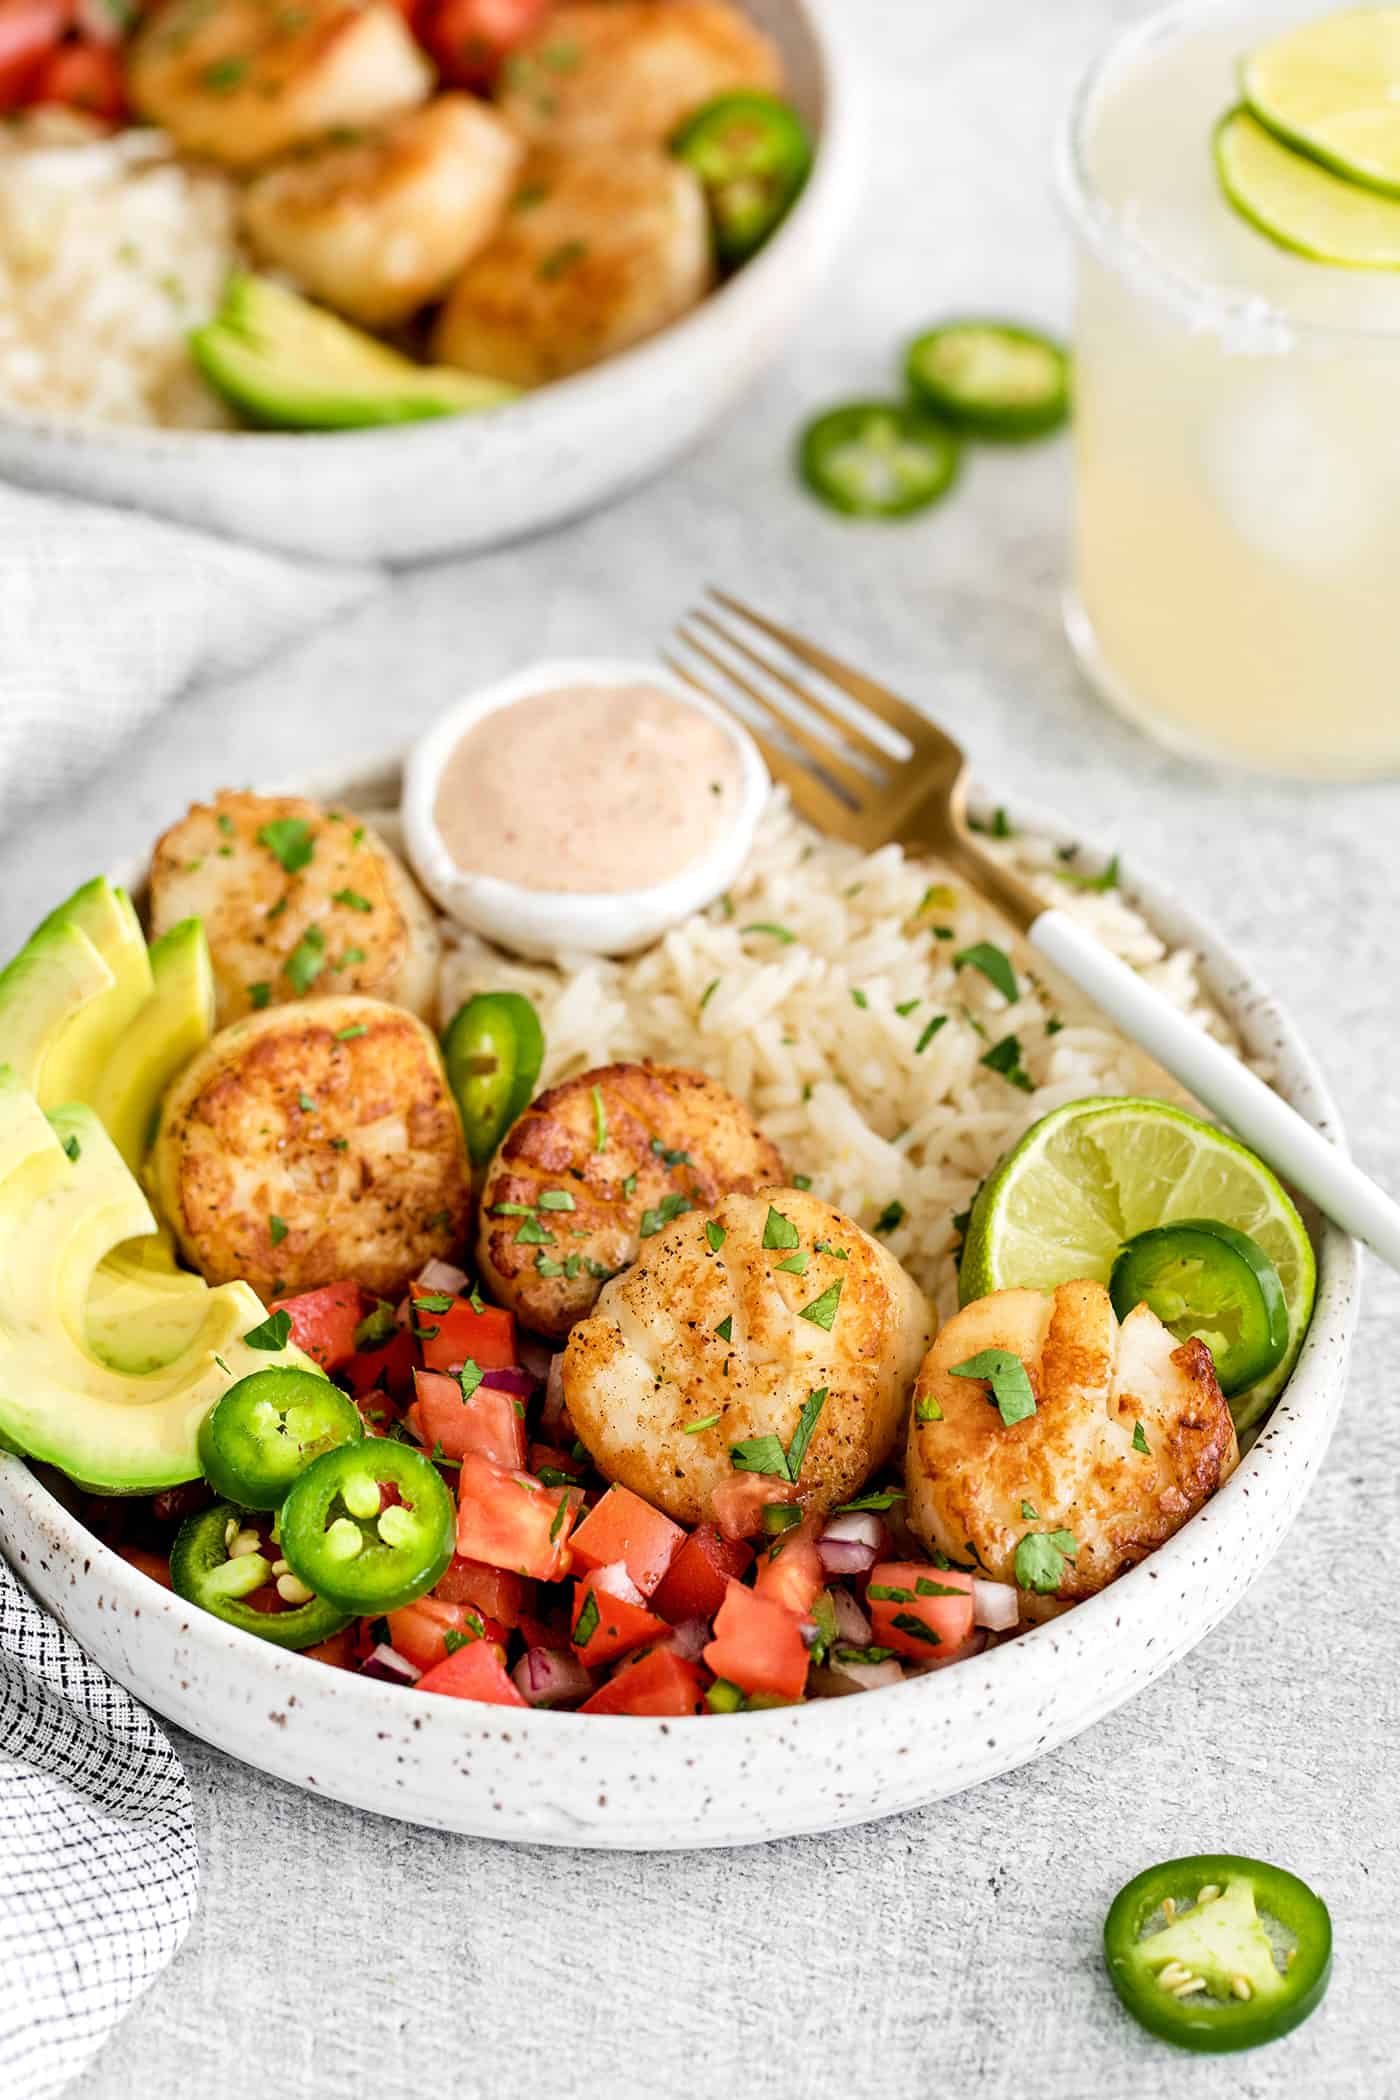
x: 1092, y: 1174
x: 1301, y: 205
x: 1332, y: 89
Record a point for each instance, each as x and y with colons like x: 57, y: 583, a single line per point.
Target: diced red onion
x: 536, y: 1357
x: 438, y: 1276
x: 853, y: 1543
x: 549, y: 1676
x: 852, y: 1626
x: 810, y: 1631
x: 388, y: 1666
x: 869, y: 1676
x: 512, y: 1380
x: 615, y: 1579
x: 554, y: 1414
x: 689, y: 1639
x: 995, y: 1605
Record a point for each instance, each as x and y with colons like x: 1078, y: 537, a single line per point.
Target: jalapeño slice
x: 202, y: 1572
x: 371, y: 1526
x: 493, y: 1050
x: 1204, y: 1278
x: 1217, y: 1952
x: 267, y: 1429
x: 752, y: 155
x: 878, y: 459
x: 993, y: 379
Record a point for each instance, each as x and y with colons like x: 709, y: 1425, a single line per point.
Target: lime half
x: 1301, y: 205
x: 1332, y: 89
x: 1091, y: 1175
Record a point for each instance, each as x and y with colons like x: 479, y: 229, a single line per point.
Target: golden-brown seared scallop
x: 315, y: 1142
x: 597, y: 250
x: 598, y: 1166
x: 735, y: 1322
x: 240, y: 81
x: 295, y: 898
x: 626, y: 72
x: 378, y: 225
x: 1073, y: 1463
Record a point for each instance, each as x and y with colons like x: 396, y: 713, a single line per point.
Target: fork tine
x: 853, y: 734
x: 881, y: 702
x: 857, y: 785
x: 811, y: 797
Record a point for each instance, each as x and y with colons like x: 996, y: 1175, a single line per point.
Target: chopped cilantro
x: 998, y: 826
x: 221, y: 77
x: 545, y: 1266
x: 288, y: 839
x: 1005, y: 1057
x: 1028, y: 1515
x: 802, y: 1181
x: 533, y: 1234
x: 859, y: 999
x: 272, y: 1333
x: 72, y: 1147
x: 671, y: 1207
x: 259, y: 996
x: 778, y: 1231
x: 629, y: 1186
x: 795, y: 1265
x: 352, y: 900
x: 586, y: 1624
x: 802, y: 1435
x: 600, y: 1121
x: 916, y: 1629
x: 938, y: 1021
x: 994, y: 965
x: 437, y: 1301
x: 276, y: 1230
x: 822, y: 1311
x: 1106, y: 879
x: 1008, y: 1379
x: 927, y: 1409
x: 725, y: 1329
x: 669, y: 1158
x: 777, y: 933
x: 760, y: 1454
x: 1041, y: 1558
x: 560, y: 259
x: 307, y: 960
x: 715, y: 1234
x: 878, y: 1498
x: 348, y: 1035
x: 709, y: 992
x: 694, y: 1428
x: 1140, y: 1442
x: 890, y: 1216
x: 377, y: 1327
x: 556, y: 1199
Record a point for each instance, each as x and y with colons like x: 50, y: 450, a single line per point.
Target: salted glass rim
x: 1258, y: 322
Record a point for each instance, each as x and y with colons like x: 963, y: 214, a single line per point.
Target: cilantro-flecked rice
x: 895, y: 1104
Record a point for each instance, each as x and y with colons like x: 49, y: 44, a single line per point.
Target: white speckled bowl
x: 467, y: 482
x: 559, y: 1779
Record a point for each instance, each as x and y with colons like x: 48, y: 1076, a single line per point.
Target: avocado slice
x: 142, y: 1310
x: 289, y: 365
x: 159, y: 1041
x: 66, y: 1201
x: 71, y: 992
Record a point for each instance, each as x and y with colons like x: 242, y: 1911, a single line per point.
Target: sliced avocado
x: 71, y: 991
x: 176, y: 1020
x: 142, y: 1310
x: 290, y: 365
x: 66, y: 1200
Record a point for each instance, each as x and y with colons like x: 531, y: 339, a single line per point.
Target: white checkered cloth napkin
x: 106, y: 616
x: 99, y: 1868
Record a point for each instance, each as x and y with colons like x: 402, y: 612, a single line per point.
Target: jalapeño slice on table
x: 370, y: 1526
x: 878, y: 459
x: 204, y: 1573
x: 493, y: 1049
x: 1203, y: 1278
x: 752, y: 155
x: 994, y: 379
x: 266, y: 1430
x: 1217, y: 1952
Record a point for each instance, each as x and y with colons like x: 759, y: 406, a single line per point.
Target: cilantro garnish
x: 72, y: 1147
x: 878, y: 1498
x: 1041, y: 1558
x: 694, y: 1428
x: 668, y: 1157
x: 994, y: 965
x: 858, y: 998
x: 1008, y: 1379
x: 288, y: 839
x: 802, y: 1181
x: 715, y: 1234
x: 259, y: 996
x: 276, y: 1230
x: 822, y: 1311
x: 998, y: 826
x: 890, y: 1216
x: 844, y: 1655
x: 709, y: 992
x: 1106, y: 879
x: 725, y: 1329
x: 272, y: 1333
x: 556, y: 1199
x: 907, y: 1623
x: 438, y: 1301
x: 760, y: 1454
x: 938, y: 1021
x: 795, y: 1265
x: 348, y: 1035
x: 671, y: 1207
x: 377, y: 1327
x: 1029, y: 1514
x: 586, y: 1624
x: 307, y: 960
x: 545, y: 1265
x: 600, y: 1121
x: 778, y: 1231
x: 1140, y: 1442
x: 1005, y: 1057
x: 352, y: 900
x: 533, y: 1233
x: 802, y: 1436
x: 777, y: 933
x: 927, y: 1409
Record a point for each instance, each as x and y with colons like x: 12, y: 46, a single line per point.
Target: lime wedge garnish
x: 1301, y: 205
x: 1090, y: 1175
x: 1332, y: 89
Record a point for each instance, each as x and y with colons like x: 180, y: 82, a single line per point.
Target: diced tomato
x: 739, y: 1502
x: 324, y: 1321
x: 694, y: 1583
x: 448, y: 1338
x: 625, y: 1528
x: 419, y: 1631
x: 494, y: 1591
x: 918, y: 1610
x: 156, y: 1565
x: 791, y: 1572
x: 612, y: 1626
x: 658, y: 1683
x: 558, y: 1461
x: 758, y: 1645
x: 387, y: 1370
x: 29, y: 31
x: 84, y: 76
x: 490, y: 1422
x: 512, y: 1520
x: 338, y: 1651
x: 469, y: 38
x: 477, y: 1671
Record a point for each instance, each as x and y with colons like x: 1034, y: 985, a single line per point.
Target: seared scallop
x: 311, y: 1143
x: 1130, y: 1435
x: 597, y: 1167
x: 626, y: 72
x: 598, y: 249
x: 377, y: 225
x: 724, y: 1330
x: 240, y: 81
x: 295, y: 898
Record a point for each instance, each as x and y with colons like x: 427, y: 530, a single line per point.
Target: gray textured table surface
x: 957, y: 1948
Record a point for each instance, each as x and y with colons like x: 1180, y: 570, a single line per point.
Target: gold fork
x: 843, y: 777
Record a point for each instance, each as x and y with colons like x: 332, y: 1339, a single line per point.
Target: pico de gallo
x: 425, y: 1515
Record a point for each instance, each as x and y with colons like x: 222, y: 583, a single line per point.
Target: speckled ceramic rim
x: 669, y: 1785
x: 549, y: 416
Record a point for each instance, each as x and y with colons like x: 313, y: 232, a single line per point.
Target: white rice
x: 840, y: 1084
x: 110, y: 252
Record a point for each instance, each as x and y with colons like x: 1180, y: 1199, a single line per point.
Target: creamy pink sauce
x: 593, y: 788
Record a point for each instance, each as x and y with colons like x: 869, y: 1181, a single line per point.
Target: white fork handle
x: 1296, y: 1152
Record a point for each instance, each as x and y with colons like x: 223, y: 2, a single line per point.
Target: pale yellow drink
x: 1237, y: 433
